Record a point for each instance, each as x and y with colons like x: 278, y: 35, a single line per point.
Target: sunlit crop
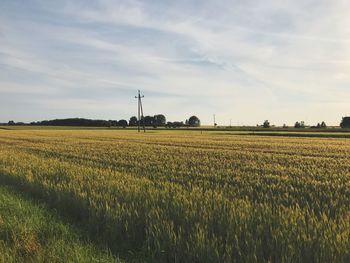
x: 192, y: 197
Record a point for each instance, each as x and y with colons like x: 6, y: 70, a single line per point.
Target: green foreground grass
x: 29, y: 232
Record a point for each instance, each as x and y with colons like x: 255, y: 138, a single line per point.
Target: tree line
x: 155, y: 121
x: 158, y: 120
x: 297, y: 125
x: 345, y: 123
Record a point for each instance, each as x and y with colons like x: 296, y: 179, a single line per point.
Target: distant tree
x: 285, y: 126
x: 122, y: 123
x: 159, y: 120
x: 175, y: 124
x: 113, y: 123
x: 194, y: 121
x: 321, y: 125
x: 178, y: 124
x: 11, y: 123
x: 133, y: 121
x: 147, y: 121
x: 266, y: 124
x: 345, y: 123
x: 299, y: 124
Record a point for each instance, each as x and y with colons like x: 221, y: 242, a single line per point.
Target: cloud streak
x: 244, y: 60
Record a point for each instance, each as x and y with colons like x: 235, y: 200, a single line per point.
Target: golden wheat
x: 187, y: 196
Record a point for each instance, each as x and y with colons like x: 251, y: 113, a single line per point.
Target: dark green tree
x: 194, y: 121
x: 148, y: 120
x: 321, y: 125
x: 345, y: 123
x: 159, y: 120
x: 299, y: 124
x: 122, y: 123
x: 133, y: 121
x: 113, y: 122
x: 266, y: 124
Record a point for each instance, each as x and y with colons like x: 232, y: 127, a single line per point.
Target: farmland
x: 189, y: 196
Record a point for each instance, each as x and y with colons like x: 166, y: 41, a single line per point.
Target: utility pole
x: 140, y: 111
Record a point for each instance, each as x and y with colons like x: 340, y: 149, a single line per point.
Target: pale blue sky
x: 245, y: 60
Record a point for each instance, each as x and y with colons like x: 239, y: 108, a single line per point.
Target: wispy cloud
x: 244, y: 60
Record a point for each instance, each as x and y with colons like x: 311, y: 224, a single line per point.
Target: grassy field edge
x: 30, y: 232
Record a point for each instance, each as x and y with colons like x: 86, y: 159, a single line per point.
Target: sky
x: 243, y: 60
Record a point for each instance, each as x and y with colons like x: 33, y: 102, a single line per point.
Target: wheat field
x: 167, y: 196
